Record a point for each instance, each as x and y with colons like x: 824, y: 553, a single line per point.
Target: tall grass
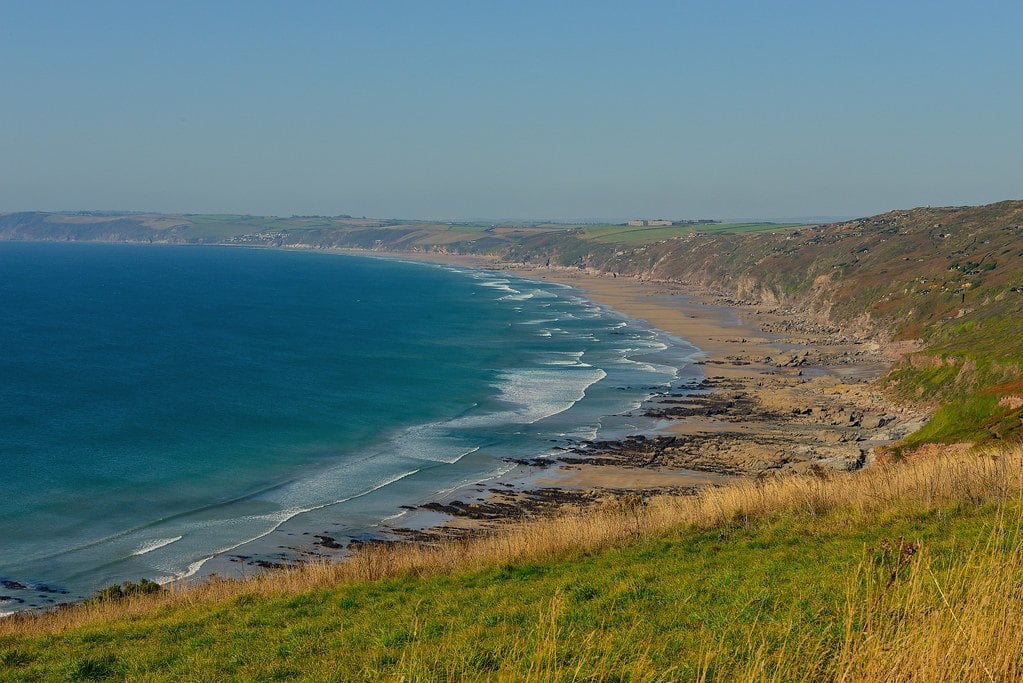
x: 932, y: 481
x: 909, y: 616
x: 940, y: 623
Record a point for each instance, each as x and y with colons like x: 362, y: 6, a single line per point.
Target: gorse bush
x: 127, y: 589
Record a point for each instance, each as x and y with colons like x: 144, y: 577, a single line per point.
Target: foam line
x: 282, y: 517
x: 150, y: 546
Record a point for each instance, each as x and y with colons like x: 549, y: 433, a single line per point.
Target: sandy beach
x: 781, y: 394
x: 770, y: 392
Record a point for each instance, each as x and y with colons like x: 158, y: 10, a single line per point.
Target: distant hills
x: 324, y: 232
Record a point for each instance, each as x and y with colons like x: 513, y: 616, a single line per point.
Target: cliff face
x: 38, y: 226
x: 903, y: 273
x: 949, y: 280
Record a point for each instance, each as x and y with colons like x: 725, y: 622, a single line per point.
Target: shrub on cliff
x: 127, y: 589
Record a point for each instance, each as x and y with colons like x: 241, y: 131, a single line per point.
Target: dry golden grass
x: 907, y: 619
x: 958, y: 624
x: 913, y: 619
x: 929, y: 481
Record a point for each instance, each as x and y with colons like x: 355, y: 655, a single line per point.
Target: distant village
x: 660, y: 222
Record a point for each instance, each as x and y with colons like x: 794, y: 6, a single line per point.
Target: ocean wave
x: 497, y: 473
x: 150, y: 546
x: 640, y: 365
x: 651, y: 345
x: 531, y: 294
x: 543, y: 393
x: 517, y: 296
x: 150, y: 526
x: 396, y: 515
x: 433, y: 443
x: 500, y: 285
x: 583, y: 432
x: 277, y: 519
x: 536, y: 394
x: 565, y: 359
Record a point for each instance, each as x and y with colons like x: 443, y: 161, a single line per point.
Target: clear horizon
x: 525, y: 111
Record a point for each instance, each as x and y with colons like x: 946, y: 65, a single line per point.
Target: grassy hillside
x: 949, y: 278
x: 334, y: 231
x: 620, y: 234
x: 903, y: 572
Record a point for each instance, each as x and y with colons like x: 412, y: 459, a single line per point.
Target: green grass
x: 468, y: 228
x: 962, y: 420
x: 977, y: 356
x: 216, y: 228
x: 662, y: 601
x: 997, y: 335
x: 969, y: 407
x: 617, y: 234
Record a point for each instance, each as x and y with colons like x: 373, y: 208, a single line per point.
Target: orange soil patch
x: 1008, y: 387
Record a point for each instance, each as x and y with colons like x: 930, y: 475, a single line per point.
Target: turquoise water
x: 165, y: 409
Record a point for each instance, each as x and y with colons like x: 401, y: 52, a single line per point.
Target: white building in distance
x: 638, y: 223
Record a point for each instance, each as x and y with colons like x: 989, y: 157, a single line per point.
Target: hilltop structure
x: 662, y: 223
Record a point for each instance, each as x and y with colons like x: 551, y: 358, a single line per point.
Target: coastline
x: 501, y: 494
x: 763, y: 369
x: 781, y: 394
x: 523, y: 488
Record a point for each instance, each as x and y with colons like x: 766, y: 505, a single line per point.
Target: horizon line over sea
x: 174, y: 412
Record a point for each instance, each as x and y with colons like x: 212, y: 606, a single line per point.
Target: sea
x: 167, y: 411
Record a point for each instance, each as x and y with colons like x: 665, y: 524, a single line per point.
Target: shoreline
x: 781, y: 394
x: 421, y: 517
x: 763, y: 368
x: 530, y: 488
x: 523, y: 489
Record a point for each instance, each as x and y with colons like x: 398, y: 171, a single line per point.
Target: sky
x: 515, y: 110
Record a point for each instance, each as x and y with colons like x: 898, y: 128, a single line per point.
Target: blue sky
x: 510, y: 110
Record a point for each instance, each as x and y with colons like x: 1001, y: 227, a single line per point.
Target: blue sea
x: 168, y: 410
